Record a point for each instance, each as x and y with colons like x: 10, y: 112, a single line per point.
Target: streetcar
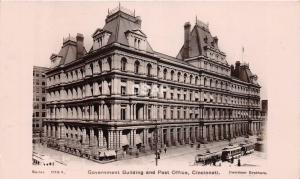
x: 231, y: 152
x: 247, y: 148
x: 208, y: 157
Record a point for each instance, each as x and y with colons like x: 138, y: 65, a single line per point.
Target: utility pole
x: 156, y: 143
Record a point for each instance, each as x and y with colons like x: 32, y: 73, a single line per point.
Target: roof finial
x: 119, y: 5
x: 196, y: 20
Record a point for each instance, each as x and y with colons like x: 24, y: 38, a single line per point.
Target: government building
x: 121, y: 96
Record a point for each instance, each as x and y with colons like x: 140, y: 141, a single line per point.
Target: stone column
x: 222, y: 132
x: 217, y: 131
x: 100, y: 134
x: 45, y: 131
x: 110, y: 139
x: 211, y: 133
x: 204, y: 133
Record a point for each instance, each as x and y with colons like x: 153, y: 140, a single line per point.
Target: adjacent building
x: 123, y: 96
x: 39, y: 102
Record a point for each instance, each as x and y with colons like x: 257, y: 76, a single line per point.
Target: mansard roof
x: 200, y: 38
x: 120, y: 22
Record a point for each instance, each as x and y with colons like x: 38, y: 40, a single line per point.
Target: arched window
x: 136, y: 67
x: 196, y: 80
x: 184, y: 78
x: 109, y: 63
x: 149, y: 67
x: 91, y: 68
x: 172, y: 75
x: 165, y: 74
x: 178, y: 76
x: 158, y: 71
x: 205, y: 81
x: 191, y: 78
x: 123, y: 64
x: 210, y: 82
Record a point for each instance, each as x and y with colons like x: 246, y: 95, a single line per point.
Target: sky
x: 250, y: 25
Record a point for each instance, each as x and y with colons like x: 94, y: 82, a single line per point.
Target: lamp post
x: 156, y: 143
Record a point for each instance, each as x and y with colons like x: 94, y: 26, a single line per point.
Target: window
x: 172, y: 114
x: 165, y: 95
x: 43, y: 99
x: 136, y: 67
x: 123, y: 90
x: 123, y: 113
x: 43, y: 106
x: 178, y: 113
x: 172, y: 75
x: 165, y: 113
x: 136, y: 91
x: 149, y: 69
x: 149, y: 92
x: 43, y: 83
x: 191, y: 78
x: 184, y: 114
x: 165, y: 74
x: 178, y: 96
x: 210, y: 82
x: 37, y: 114
x: 43, y: 114
x: 184, y: 97
x: 172, y: 96
x: 190, y: 96
x: 123, y: 64
x: 43, y: 90
x: 109, y: 63
x: 184, y: 78
x: 178, y: 76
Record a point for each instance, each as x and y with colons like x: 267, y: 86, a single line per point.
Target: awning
x: 124, y: 140
x: 138, y: 139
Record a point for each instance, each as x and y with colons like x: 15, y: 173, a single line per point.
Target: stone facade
x: 121, y: 95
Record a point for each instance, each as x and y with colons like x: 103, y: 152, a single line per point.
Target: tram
x: 231, y: 152
x: 208, y: 158
x: 247, y: 148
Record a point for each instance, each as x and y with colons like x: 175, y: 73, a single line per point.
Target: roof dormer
x: 136, y: 39
x: 100, y: 38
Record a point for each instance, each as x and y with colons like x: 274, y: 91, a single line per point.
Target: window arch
x: 136, y: 67
x: 196, y: 80
x: 184, y: 78
x: 123, y: 64
x: 149, y: 67
x: 178, y: 76
x: 172, y: 75
x: 165, y: 73
x: 109, y: 63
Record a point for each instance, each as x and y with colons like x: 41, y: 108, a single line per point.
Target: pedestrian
x: 165, y: 149
x: 239, y: 162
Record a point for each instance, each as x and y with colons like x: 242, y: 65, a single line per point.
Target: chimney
x: 232, y: 70
x: 80, y: 46
x: 216, y: 41
x: 186, y: 45
x: 138, y: 21
x: 237, y: 68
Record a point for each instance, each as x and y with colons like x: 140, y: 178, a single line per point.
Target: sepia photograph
x: 155, y: 89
